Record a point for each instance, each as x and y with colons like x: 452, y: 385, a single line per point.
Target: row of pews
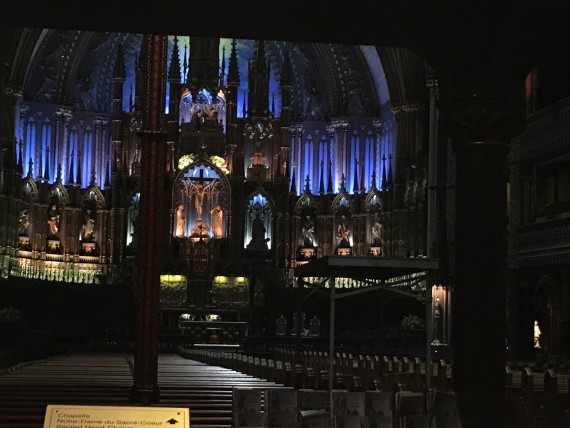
x: 290, y: 408
x: 538, y: 395
x: 310, y: 369
x: 92, y: 379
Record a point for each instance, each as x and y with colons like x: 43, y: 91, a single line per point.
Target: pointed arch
x: 373, y: 201
x: 93, y: 193
x: 29, y: 189
x: 259, y: 210
x: 58, y: 191
x: 201, y: 198
x: 342, y: 208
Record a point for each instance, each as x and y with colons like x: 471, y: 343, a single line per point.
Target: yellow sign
x: 65, y: 416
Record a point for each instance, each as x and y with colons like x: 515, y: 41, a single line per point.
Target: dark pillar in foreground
x: 153, y: 158
x: 480, y: 130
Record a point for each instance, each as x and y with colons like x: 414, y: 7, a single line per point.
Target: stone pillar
x: 480, y: 129
x: 433, y: 189
x: 145, y: 388
x: 410, y: 119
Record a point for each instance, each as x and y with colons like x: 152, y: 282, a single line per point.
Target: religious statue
x: 199, y: 190
x: 257, y: 158
x: 217, y: 215
x: 437, y: 321
x: 180, y: 221
x: 258, y: 240
x: 344, y: 235
x: 23, y: 222
x: 537, y: 334
x: 87, y: 234
x: 377, y: 235
x: 53, y: 221
x: 308, y: 231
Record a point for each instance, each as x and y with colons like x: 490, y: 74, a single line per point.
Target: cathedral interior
x: 278, y: 153
x: 257, y: 151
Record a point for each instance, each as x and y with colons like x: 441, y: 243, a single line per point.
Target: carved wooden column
x: 480, y: 129
x: 145, y: 388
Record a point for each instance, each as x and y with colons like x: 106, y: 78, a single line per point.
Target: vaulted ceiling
x: 74, y: 68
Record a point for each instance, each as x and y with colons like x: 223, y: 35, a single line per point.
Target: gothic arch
x: 201, y: 199
x: 405, y: 73
x: 59, y: 191
x: 259, y: 209
x: 305, y: 200
x: 93, y: 193
x: 373, y: 201
x: 30, y: 189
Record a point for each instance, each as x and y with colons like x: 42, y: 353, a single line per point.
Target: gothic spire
x: 174, y: 72
x: 92, y: 182
x: 131, y: 100
x: 362, y: 181
x: 233, y: 70
x: 321, y: 181
x: 258, y: 82
x: 20, y: 165
x: 307, y: 184
x: 185, y: 64
x: 293, y: 182
x: 222, y: 68
x: 384, y: 179
x: 329, y: 178
x: 79, y: 180
x: 273, y: 104
x: 70, y: 178
x: 40, y: 163
x: 30, y: 168
x: 58, y: 176
x: 355, y: 187
x: 390, y: 175
x: 46, y: 171
x: 107, y: 177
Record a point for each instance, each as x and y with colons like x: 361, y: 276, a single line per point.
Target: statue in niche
x: 308, y: 231
x: 437, y: 326
x: 257, y: 158
x: 537, y: 334
x: 258, y: 240
x: 217, y: 215
x: 343, y: 234
x: 88, y: 228
x: 53, y: 220
x: 23, y: 222
x: 180, y: 221
x: 377, y: 235
x: 199, y: 190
